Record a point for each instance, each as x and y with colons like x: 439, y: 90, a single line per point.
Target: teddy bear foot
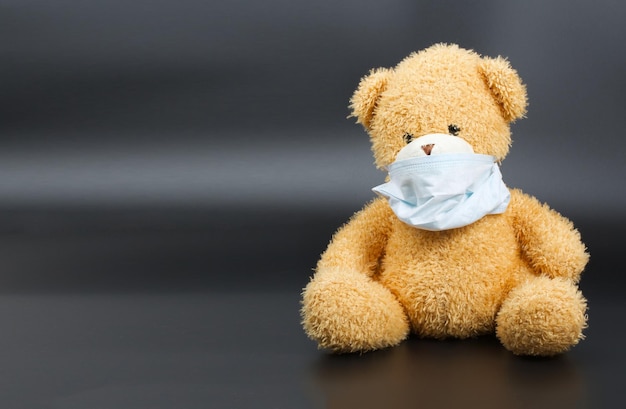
x: 542, y: 317
x: 352, y: 313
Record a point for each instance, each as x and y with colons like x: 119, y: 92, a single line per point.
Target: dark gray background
x: 108, y: 103
x: 171, y: 170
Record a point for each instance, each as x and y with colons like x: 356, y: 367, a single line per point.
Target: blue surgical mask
x: 446, y: 191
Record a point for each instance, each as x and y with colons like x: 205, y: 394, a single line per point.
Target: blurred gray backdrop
x: 239, y: 107
x: 244, y: 102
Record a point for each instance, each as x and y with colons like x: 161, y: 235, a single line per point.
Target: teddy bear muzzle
x: 434, y: 144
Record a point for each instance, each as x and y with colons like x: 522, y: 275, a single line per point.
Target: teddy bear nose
x: 428, y: 148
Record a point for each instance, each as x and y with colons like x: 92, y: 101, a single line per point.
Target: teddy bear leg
x: 352, y: 313
x: 542, y: 317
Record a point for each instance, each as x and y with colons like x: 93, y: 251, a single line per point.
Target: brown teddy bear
x: 446, y: 250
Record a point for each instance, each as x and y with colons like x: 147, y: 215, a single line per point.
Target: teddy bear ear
x: 366, y: 96
x: 506, y: 86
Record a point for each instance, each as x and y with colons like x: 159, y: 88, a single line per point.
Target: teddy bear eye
x: 407, y: 138
x: 454, y: 129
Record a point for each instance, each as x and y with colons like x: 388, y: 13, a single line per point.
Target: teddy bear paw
x: 352, y: 313
x: 542, y: 317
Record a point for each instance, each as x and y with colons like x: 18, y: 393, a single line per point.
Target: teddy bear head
x: 448, y: 97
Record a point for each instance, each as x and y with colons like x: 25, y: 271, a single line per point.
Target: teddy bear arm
x: 359, y: 244
x: 344, y: 307
x: 549, y: 242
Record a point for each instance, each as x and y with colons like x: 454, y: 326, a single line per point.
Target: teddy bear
x: 446, y: 249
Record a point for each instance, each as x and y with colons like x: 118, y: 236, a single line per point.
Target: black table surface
x: 206, y: 315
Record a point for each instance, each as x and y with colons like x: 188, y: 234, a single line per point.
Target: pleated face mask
x: 445, y: 191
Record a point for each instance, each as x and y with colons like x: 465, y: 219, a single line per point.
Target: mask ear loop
x: 388, y: 177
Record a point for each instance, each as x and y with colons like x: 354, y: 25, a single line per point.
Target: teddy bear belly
x: 442, y: 306
x: 452, y: 288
